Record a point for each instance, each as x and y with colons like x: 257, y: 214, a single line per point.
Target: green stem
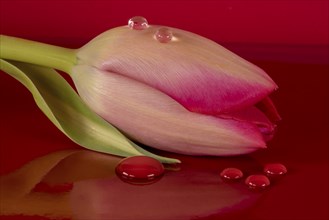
x: 12, y: 48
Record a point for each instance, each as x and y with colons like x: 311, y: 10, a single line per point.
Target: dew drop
x: 139, y: 170
x: 231, y: 174
x: 275, y: 169
x: 257, y: 182
x: 163, y: 35
x: 138, y: 23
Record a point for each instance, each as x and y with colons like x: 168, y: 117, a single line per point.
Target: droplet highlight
x: 257, y: 182
x: 138, y: 23
x: 163, y: 35
x: 275, y: 169
x: 140, y: 170
x: 231, y: 174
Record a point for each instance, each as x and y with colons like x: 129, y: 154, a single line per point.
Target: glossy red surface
x: 288, y: 39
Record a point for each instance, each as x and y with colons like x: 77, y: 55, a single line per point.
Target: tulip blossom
x: 188, y: 96
x: 175, y: 91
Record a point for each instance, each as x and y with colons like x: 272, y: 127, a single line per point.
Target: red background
x: 272, y: 29
x: 289, y: 39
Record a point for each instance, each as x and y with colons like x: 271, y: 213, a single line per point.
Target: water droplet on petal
x: 275, y: 169
x: 139, y: 170
x: 231, y: 174
x: 257, y: 182
x: 138, y: 23
x: 163, y: 35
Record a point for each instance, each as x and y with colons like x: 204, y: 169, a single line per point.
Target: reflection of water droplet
x: 275, y: 169
x: 139, y: 170
x: 138, y: 23
x: 231, y: 174
x: 57, y: 188
x: 257, y: 182
x: 163, y: 35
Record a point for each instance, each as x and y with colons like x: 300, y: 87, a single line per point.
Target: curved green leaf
x: 62, y: 105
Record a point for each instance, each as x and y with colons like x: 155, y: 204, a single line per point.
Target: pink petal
x: 198, y: 73
x: 153, y: 118
x: 267, y: 106
x: 255, y: 116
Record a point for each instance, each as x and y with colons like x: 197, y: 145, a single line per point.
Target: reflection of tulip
x: 189, y: 96
x: 37, y: 189
x: 40, y: 187
x: 187, y: 194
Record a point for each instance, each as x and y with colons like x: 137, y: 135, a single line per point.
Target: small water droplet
x: 231, y: 174
x: 257, y: 182
x: 163, y: 35
x: 275, y: 169
x: 139, y: 170
x: 138, y: 23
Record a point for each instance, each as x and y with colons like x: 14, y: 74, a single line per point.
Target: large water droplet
x: 275, y: 169
x: 231, y: 174
x: 139, y: 170
x: 138, y: 23
x: 257, y: 182
x: 163, y: 35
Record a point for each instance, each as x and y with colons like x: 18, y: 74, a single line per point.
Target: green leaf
x: 62, y: 105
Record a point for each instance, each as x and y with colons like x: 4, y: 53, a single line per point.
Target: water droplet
x: 231, y: 174
x: 139, y: 170
x: 275, y: 169
x: 163, y: 35
x: 138, y: 23
x: 257, y: 182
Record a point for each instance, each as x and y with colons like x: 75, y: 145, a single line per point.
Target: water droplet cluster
x: 162, y: 35
x: 256, y: 181
x: 146, y: 170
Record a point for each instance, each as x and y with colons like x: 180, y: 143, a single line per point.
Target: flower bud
x: 186, y: 95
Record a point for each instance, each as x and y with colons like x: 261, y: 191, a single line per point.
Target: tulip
x: 188, y: 96
x: 185, y: 94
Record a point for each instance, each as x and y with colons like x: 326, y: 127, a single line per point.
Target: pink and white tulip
x: 189, y: 96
